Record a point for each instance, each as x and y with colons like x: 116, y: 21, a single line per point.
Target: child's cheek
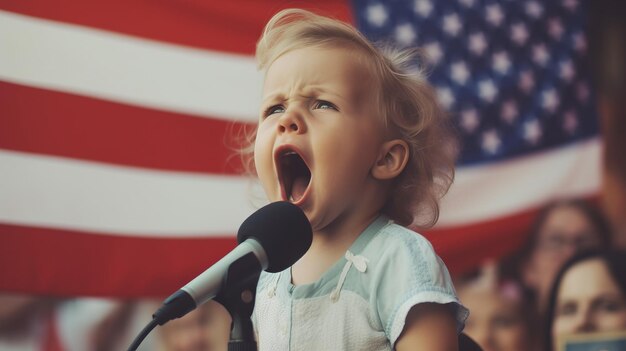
x: 263, y: 158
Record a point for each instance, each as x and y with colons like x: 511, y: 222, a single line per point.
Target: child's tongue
x: 298, y: 188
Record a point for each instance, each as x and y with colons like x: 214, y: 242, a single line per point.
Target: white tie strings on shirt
x: 359, y: 262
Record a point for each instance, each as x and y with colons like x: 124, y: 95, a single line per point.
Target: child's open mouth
x: 294, y: 175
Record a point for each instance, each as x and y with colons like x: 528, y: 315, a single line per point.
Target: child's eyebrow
x: 307, y: 92
x: 318, y: 90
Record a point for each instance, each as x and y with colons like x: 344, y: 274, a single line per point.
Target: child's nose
x: 291, y: 122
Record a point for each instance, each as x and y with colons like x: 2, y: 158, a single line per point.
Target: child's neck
x: 328, y: 246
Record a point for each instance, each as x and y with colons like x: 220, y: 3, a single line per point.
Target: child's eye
x: 324, y: 105
x: 274, y: 109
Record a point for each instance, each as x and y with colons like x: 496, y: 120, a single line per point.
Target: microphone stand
x: 238, y: 296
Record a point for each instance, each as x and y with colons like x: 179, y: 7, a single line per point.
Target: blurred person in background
x: 24, y: 321
x: 40, y: 323
x: 561, y: 229
x: 207, y: 328
x: 502, y: 316
x: 588, y: 295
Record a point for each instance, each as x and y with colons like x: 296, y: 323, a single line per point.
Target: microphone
x: 273, y: 238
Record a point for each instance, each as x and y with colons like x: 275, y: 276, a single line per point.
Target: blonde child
x: 356, y: 139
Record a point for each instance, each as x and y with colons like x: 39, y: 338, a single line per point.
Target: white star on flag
x: 434, y: 52
x: 469, y: 120
x: 532, y: 131
x: 445, y: 97
x: 526, y: 81
x: 452, y: 24
x: 534, y: 9
x: 377, y: 15
x: 519, y: 33
x: 423, y: 7
x: 509, y: 111
x: 540, y: 54
x: 405, y: 34
x: 550, y: 100
x: 570, y: 122
x: 477, y: 43
x: 501, y: 62
x: 555, y: 28
x: 566, y: 71
x: 495, y: 16
x: 491, y: 141
x: 570, y: 4
x: 580, y: 42
x: 459, y: 72
x: 487, y: 90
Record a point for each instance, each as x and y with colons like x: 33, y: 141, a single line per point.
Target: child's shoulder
x: 405, y: 271
x: 394, y: 238
x: 397, y: 249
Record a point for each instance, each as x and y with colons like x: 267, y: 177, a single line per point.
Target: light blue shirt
x: 362, y: 301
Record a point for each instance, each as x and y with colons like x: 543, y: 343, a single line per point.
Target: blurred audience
x: 30, y: 322
x: 501, y: 318
x: 207, y: 328
x: 588, y: 295
x: 37, y: 323
x: 561, y: 229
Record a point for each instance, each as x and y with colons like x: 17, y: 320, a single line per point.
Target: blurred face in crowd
x: 206, y: 328
x: 565, y: 231
x: 589, y: 300
x: 496, y: 320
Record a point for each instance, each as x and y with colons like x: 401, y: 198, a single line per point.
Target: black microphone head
x: 283, y: 231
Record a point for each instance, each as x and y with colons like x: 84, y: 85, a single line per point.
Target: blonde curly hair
x: 406, y: 102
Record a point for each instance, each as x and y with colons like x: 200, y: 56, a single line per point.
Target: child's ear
x: 392, y: 159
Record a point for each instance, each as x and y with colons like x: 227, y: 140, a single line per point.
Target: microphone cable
x: 142, y: 335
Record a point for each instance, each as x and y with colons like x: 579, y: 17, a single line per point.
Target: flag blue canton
x: 513, y: 74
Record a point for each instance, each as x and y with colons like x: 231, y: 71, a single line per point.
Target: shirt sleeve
x: 407, y: 273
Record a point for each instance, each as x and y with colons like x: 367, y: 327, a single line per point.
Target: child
x: 356, y: 139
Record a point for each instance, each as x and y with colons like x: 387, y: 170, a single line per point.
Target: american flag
x: 115, y: 178
x: 514, y: 74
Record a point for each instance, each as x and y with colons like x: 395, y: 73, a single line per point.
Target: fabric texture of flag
x: 116, y: 177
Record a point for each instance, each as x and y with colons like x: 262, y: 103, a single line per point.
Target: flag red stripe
x: 52, y: 123
x: 467, y: 247
x: 231, y: 26
x: 87, y: 264
x: 79, y: 263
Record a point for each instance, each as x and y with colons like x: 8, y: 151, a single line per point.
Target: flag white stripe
x: 489, y: 191
x: 110, y: 66
x: 56, y: 192
x: 70, y: 194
